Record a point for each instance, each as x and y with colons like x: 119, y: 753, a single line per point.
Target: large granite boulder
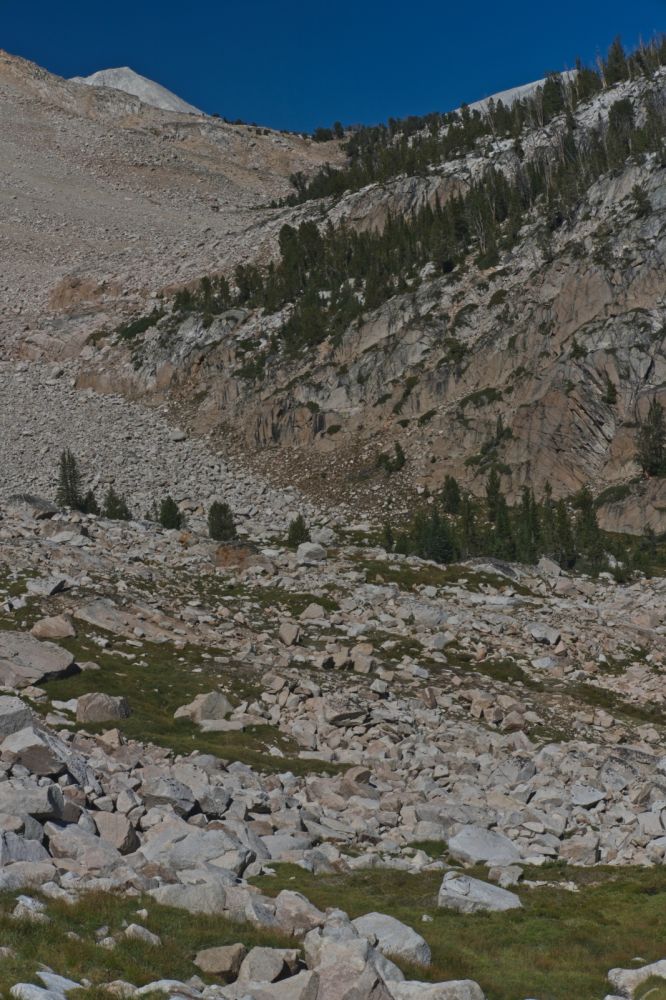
x: 25, y: 661
x: 471, y: 895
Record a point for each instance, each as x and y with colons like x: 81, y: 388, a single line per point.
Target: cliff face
x: 542, y: 364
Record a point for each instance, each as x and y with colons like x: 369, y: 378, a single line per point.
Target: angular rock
x: 310, y: 553
x: 471, y: 895
x: 116, y: 830
x: 208, y: 897
x: 266, y: 965
x: 456, y: 989
x: 394, y: 938
x: 544, y: 633
x: 473, y: 844
x: 14, y: 715
x: 99, y: 707
x: 627, y: 981
x: 25, y: 661
x: 32, y: 750
x: 224, y: 961
x: 213, y: 705
x: 58, y: 627
x: 295, y: 914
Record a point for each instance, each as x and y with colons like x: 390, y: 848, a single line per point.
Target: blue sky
x: 298, y: 65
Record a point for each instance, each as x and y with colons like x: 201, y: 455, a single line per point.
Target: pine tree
x: 298, y: 532
x: 89, y: 504
x: 651, y: 441
x: 388, y: 538
x: 170, y: 516
x: 565, y: 548
x: 493, y: 494
x: 451, y: 495
x: 221, y: 526
x: 504, y: 544
x: 588, y: 535
x: 615, y: 68
x: 115, y: 507
x: 468, y: 527
x: 547, y: 520
x: 69, y: 482
x: 641, y: 203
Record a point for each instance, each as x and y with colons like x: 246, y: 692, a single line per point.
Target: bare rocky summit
x: 127, y: 80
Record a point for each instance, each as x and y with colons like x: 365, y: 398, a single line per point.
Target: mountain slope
x: 125, y: 79
x: 106, y: 200
x: 539, y: 362
x: 523, y: 330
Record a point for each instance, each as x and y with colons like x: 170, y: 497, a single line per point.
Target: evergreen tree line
x: 69, y: 493
x: 221, y: 524
x: 333, y: 275
x: 458, y: 527
x: 412, y: 145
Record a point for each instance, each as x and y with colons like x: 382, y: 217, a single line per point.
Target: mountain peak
x: 130, y: 82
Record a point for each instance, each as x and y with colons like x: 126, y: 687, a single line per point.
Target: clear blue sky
x: 297, y: 65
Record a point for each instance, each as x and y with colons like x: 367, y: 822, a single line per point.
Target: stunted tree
x: 298, y: 532
x: 69, y: 482
x: 493, y: 494
x: 115, y: 507
x: 651, y: 441
x: 451, y: 495
x: 89, y: 503
x: 170, y: 517
x: 221, y: 525
x: 615, y: 67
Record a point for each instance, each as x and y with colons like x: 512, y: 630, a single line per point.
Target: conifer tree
x: 565, y: 548
x: 69, y: 482
x: 115, y: 507
x: 468, y: 527
x: 651, y: 441
x: 493, y: 494
x: 388, y: 538
x: 615, y: 68
x: 451, y: 495
x: 89, y: 504
x: 588, y: 536
x: 298, y: 532
x: 505, y: 546
x: 170, y: 516
x: 221, y: 525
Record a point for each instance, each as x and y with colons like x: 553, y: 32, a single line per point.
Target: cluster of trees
x: 457, y: 527
x: 221, y: 525
x: 331, y: 276
x: 69, y: 493
x: 412, y: 145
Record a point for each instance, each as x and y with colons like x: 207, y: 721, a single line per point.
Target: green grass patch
x: 182, y: 935
x: 159, y: 681
x: 559, y: 947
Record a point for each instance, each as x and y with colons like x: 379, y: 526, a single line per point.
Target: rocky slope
x: 106, y: 200
x: 331, y: 707
x: 536, y: 340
